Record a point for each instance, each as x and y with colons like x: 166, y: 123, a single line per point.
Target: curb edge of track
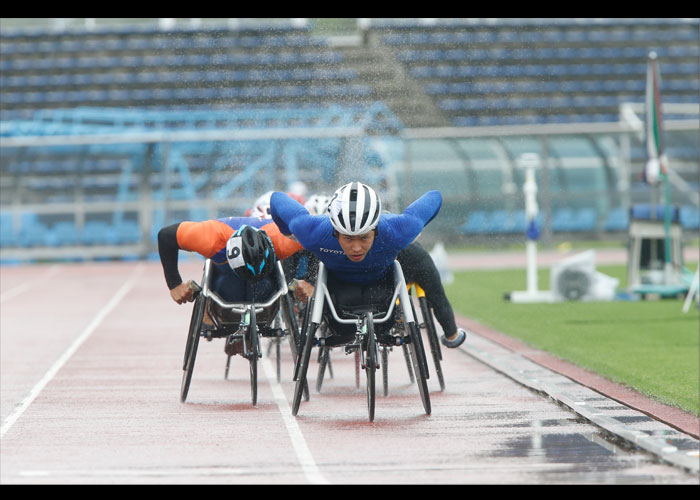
x: 516, y: 352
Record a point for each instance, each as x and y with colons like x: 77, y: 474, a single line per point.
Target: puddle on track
x: 586, y: 458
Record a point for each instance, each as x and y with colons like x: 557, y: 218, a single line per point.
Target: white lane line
x: 58, y: 364
x: 313, y: 475
x: 200, y: 471
x: 13, y: 292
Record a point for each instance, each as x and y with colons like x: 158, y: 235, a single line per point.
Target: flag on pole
x: 656, y: 162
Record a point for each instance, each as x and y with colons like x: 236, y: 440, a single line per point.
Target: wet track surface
x: 91, y: 368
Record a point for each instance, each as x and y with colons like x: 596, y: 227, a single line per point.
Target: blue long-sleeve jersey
x: 394, y: 233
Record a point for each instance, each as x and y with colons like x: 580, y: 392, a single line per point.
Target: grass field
x: 650, y: 346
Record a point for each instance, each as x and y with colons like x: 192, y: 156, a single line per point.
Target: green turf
x: 651, y: 345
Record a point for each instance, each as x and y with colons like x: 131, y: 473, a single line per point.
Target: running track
x: 91, y: 360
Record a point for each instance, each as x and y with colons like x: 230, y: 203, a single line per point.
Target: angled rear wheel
x: 433, y: 340
x: 191, y: 345
x: 419, y: 365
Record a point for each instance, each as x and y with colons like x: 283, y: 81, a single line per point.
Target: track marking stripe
x: 58, y: 364
x: 302, y: 451
x: 205, y: 471
x: 13, y: 292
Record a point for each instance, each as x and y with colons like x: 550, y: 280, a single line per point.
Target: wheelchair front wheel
x: 370, y: 364
x: 324, y: 354
x: 385, y: 369
x: 253, y: 355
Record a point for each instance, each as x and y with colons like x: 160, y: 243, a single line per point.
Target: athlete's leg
x: 419, y: 267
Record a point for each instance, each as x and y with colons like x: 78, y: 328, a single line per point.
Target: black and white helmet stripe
x: 355, y: 209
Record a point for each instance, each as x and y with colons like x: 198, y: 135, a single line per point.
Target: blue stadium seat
x: 33, y: 232
x: 563, y: 220
x: 519, y: 221
x: 8, y: 234
x: 477, y: 223
x: 127, y: 232
x: 617, y: 220
x: 498, y: 222
x: 646, y: 212
x: 689, y: 217
x: 586, y: 219
x: 65, y: 233
x: 98, y: 233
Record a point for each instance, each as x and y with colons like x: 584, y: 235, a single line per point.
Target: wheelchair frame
x: 365, y: 340
x: 243, y: 327
x: 427, y: 323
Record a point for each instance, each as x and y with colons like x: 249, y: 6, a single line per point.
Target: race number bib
x: 234, y: 253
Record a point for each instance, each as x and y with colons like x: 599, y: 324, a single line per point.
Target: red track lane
x: 111, y: 341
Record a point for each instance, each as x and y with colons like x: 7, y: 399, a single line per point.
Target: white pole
x: 531, y: 162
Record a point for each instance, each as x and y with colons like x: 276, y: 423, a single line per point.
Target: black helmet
x: 250, y: 253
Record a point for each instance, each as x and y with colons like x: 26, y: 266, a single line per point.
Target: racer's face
x: 356, y: 247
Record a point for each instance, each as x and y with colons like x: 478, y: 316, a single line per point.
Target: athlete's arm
x: 201, y: 237
x: 168, y: 250
x: 406, y: 227
x: 293, y: 219
x: 426, y: 207
x: 283, y: 209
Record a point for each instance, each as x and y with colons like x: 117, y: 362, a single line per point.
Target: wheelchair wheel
x: 432, y: 339
x: 253, y: 355
x: 421, y: 348
x: 228, y: 366
x: 324, y: 360
x: 419, y: 366
x: 370, y: 364
x: 409, y: 363
x: 278, y: 359
x: 290, y: 320
x: 324, y: 354
x: 276, y: 344
x: 192, y: 345
x: 303, y: 367
x: 385, y: 369
x: 299, y: 338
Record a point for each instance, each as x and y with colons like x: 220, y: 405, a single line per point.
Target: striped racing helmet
x: 354, y: 209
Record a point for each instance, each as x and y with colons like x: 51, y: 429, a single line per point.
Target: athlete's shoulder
x: 238, y: 222
x: 284, y: 246
x: 204, y: 237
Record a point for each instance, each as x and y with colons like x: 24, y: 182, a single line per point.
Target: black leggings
x: 418, y: 267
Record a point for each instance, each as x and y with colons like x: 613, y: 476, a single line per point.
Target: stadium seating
x: 147, y: 68
x: 545, y: 70
x: 497, y: 222
x: 474, y: 73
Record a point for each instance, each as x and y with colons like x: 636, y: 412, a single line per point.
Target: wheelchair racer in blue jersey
x: 357, y: 243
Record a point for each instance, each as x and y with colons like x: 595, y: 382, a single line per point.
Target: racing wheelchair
x: 365, y: 342
x: 425, y: 322
x: 238, y: 323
